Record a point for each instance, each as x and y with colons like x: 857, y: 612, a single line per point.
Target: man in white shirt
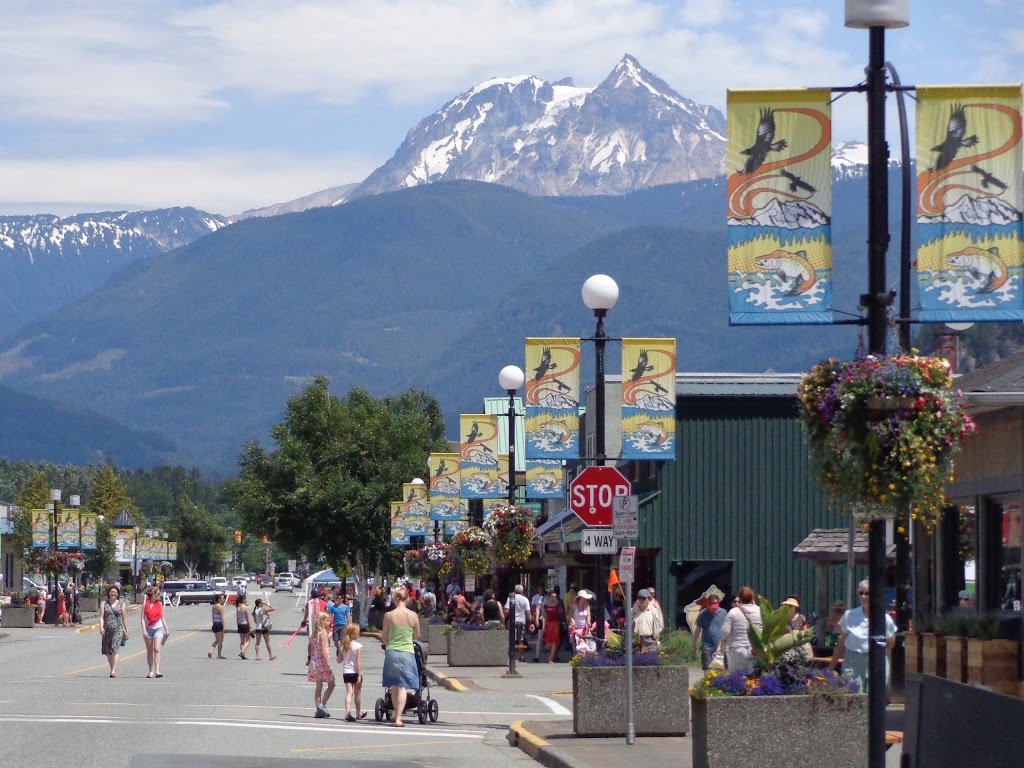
x: 523, y: 617
x: 648, y: 623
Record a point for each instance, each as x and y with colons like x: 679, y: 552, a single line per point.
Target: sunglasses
x: 864, y: 594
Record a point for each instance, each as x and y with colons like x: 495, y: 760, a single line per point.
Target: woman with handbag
x: 261, y: 626
x: 113, y: 629
x: 154, y: 630
x: 734, y: 638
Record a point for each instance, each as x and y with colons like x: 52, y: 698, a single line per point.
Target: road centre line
x: 129, y: 656
x: 371, y: 746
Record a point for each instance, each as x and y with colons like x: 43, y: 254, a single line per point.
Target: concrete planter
x: 19, y: 617
x: 956, y: 659
x: 433, y: 636
x: 88, y: 603
x: 661, y: 704
x: 477, y: 648
x: 933, y: 654
x: 991, y: 663
x: 780, y: 731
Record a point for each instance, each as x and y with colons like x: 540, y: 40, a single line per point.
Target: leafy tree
x: 34, y: 494
x: 100, y: 561
x: 106, y: 498
x: 326, y: 490
x: 201, y: 538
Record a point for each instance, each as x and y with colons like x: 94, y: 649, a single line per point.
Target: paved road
x: 58, y: 706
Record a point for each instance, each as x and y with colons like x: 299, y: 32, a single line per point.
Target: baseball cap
x: 644, y: 594
x: 314, y: 592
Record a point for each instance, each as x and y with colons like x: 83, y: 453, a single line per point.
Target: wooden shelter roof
x: 828, y: 545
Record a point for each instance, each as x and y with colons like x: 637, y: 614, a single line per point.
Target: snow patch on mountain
x: 791, y: 214
x: 982, y: 211
x: 848, y: 153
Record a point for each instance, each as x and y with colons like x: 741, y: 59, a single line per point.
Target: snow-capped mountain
x: 983, y: 211
x: 322, y: 199
x: 631, y: 131
x: 50, y: 261
x: 791, y: 214
x: 848, y: 153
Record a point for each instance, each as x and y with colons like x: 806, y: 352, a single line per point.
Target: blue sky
x: 233, y: 104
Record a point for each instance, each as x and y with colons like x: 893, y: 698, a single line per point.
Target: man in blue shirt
x: 708, y: 631
x: 339, y: 611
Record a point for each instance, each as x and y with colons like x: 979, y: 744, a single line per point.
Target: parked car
x: 219, y: 582
x: 192, y: 591
x: 262, y: 578
x: 239, y: 581
x: 283, y: 582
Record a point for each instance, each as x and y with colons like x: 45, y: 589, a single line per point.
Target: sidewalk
x: 553, y: 743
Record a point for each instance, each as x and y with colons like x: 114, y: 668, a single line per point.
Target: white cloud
x: 215, y: 181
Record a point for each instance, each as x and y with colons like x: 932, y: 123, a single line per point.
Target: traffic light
x: 238, y: 537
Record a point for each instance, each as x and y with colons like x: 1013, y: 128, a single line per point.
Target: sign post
x: 626, y: 575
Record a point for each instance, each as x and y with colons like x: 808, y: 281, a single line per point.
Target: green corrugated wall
x: 741, y: 489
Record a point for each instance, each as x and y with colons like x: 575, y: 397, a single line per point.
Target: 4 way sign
x: 598, y: 541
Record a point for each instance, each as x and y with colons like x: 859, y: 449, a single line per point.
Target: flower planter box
x: 477, y: 648
x: 661, y: 706
x: 88, y: 603
x: 933, y: 654
x: 433, y: 636
x: 912, y: 652
x: 956, y: 659
x: 991, y: 663
x: 780, y: 731
x: 19, y: 617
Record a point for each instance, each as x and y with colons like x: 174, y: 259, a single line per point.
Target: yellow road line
x: 129, y: 656
x: 378, y: 746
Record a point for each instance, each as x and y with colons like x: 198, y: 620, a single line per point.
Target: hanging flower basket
x: 437, y: 558
x: 511, y: 530
x: 58, y: 562
x: 413, y: 562
x: 883, y: 431
x: 471, y: 548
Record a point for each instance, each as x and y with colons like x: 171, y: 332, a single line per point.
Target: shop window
x: 1009, y: 557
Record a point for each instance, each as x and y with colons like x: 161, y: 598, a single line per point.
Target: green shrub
x: 679, y: 643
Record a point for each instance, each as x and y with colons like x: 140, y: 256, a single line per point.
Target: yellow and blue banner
x: 68, y: 530
x: 648, y: 398
x: 545, y: 479
x: 779, y: 185
x: 451, y: 527
x: 552, y: 398
x: 503, y: 475
x: 40, y: 528
x: 88, y: 530
x: 479, y: 456
x: 970, y: 196
x: 399, y: 537
x: 445, y: 487
x: 415, y: 508
x: 172, y: 550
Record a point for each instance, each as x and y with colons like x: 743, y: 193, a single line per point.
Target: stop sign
x: 592, y: 492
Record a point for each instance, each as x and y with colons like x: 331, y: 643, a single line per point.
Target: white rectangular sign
x: 598, y: 541
x: 626, y: 569
x: 626, y: 517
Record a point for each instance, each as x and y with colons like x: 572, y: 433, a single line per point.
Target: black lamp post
x: 876, y: 16
x: 511, y: 378
x: 600, y: 293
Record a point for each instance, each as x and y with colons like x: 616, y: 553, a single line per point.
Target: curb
x: 537, y: 748
x: 87, y: 628
x: 446, y: 682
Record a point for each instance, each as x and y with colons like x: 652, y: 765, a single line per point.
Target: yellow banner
x: 415, y: 508
x: 479, y: 456
x: 545, y: 479
x: 970, y: 197
x: 399, y: 538
x: 40, y: 528
x: 648, y: 398
x: 779, y: 189
x: 552, y: 402
x: 445, y: 479
x: 68, y: 528
x: 88, y: 531
x: 172, y: 551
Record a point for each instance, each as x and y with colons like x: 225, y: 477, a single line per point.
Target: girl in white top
x: 352, y: 672
x: 734, y: 636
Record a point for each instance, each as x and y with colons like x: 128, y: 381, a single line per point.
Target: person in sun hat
x: 708, y: 630
x: 797, y: 623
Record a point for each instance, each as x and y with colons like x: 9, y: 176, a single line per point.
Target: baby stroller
x: 418, y: 701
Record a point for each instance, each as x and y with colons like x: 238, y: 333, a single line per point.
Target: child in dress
x: 320, y: 671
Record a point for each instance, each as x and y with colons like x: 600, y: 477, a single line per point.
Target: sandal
x: 362, y: 715
x: 349, y: 718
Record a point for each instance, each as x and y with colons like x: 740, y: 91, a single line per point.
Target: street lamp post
x: 600, y: 293
x: 135, y: 561
x: 511, y: 378
x: 876, y: 16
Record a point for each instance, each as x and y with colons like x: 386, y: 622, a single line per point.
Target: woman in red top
x: 154, y: 629
x: 553, y: 617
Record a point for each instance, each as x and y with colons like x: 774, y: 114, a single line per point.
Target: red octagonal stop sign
x: 592, y: 492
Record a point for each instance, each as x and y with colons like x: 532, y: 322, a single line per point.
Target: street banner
x: 545, y: 479
x: 491, y: 504
x: 40, y: 528
x: 88, y: 530
x: 445, y: 479
x: 970, y: 253
x: 451, y: 527
x: 144, y: 548
x: 503, y: 475
x: 123, y: 544
x: 479, y: 456
x: 399, y: 538
x: 172, y: 550
x: 552, y: 403
x: 648, y: 398
x: 415, y: 513
x: 779, y: 171
x: 68, y: 530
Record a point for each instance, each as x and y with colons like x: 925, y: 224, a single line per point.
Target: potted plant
x: 471, y: 546
x: 476, y: 645
x: 20, y: 613
x: 933, y: 648
x: 882, y: 431
x: 511, y: 530
x: 992, y: 661
x: 955, y: 631
x: 780, y: 695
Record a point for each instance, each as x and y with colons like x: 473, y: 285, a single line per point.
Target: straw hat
x: 792, y: 601
x: 586, y: 594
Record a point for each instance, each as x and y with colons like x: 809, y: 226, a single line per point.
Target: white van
x: 284, y: 582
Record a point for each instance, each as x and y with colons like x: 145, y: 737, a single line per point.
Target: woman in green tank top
x: 401, y: 675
